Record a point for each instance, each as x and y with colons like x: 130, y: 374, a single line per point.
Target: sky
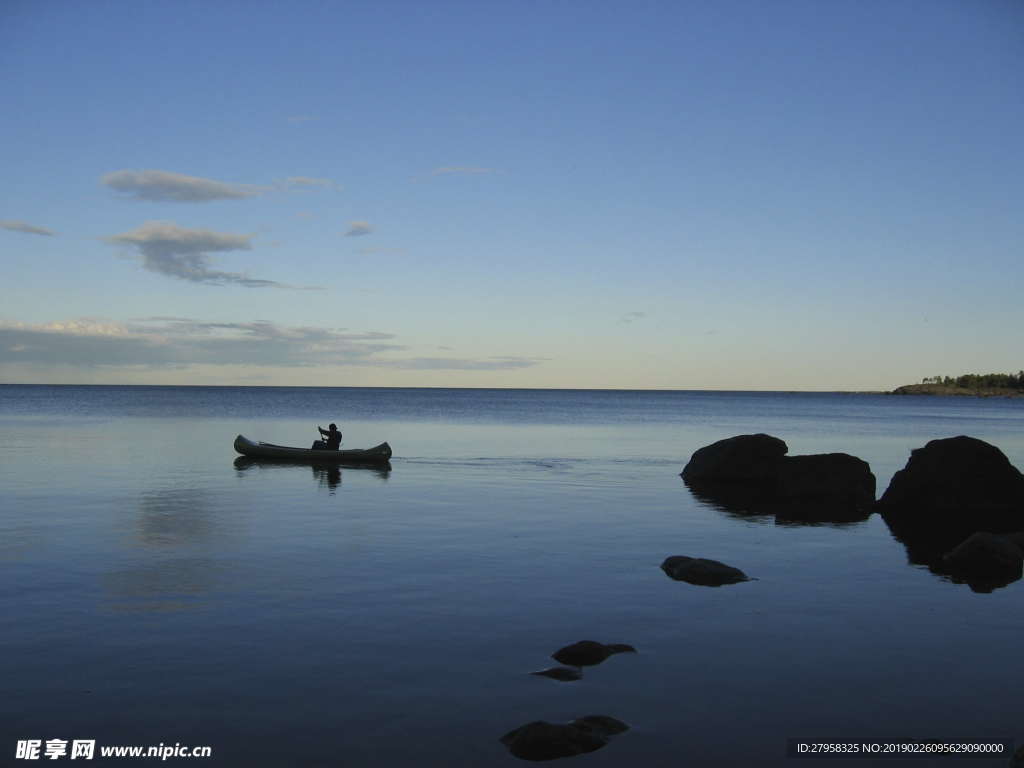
x: 786, y: 195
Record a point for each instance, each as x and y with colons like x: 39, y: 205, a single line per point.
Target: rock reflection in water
x: 929, y: 547
x: 751, y: 503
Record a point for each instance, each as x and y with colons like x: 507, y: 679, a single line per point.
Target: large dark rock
x: 750, y: 475
x: 740, y: 459
x: 587, y: 653
x: 541, y: 740
x: 959, y: 476
x: 827, y: 476
x: 948, y: 490
x: 700, y: 570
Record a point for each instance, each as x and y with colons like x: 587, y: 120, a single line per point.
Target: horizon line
x: 509, y: 389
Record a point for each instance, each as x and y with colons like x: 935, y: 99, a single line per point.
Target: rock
x: 740, y: 459
x: 587, y: 653
x: 1017, y: 537
x: 833, y: 488
x: 1017, y: 761
x: 827, y: 476
x: 960, y: 476
x: 564, y: 674
x: 750, y: 475
x: 948, y: 490
x: 699, y: 570
x: 986, y: 556
x: 541, y: 740
x: 607, y: 725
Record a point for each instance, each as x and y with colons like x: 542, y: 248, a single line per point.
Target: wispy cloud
x: 461, y: 169
x: 21, y: 226
x: 449, y: 170
x: 462, y: 364
x: 358, y: 228
x: 167, y: 249
x: 164, y: 186
x: 166, y: 342
x: 163, y: 342
x: 309, y: 182
x: 632, y: 317
x: 379, y: 251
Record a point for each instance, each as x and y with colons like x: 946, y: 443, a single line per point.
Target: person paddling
x: 332, y: 441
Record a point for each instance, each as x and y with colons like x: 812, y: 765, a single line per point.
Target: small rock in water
x: 1017, y: 761
x: 699, y: 570
x: 564, y: 674
x: 587, y: 653
x: 607, y: 725
x: 541, y: 740
x: 985, y: 561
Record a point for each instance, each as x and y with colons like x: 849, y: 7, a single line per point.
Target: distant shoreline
x: 947, y: 391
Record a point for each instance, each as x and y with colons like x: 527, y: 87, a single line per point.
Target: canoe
x: 379, y: 454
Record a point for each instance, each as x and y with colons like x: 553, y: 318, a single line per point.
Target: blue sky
x: 695, y: 195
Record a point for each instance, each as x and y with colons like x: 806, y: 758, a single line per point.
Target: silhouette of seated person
x: 332, y: 439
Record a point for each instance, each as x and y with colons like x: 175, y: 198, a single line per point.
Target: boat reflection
x: 327, y: 474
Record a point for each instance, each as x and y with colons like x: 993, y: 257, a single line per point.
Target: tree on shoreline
x: 979, y: 381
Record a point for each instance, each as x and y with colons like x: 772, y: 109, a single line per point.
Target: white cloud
x: 167, y: 249
x: 176, y: 188
x: 358, y: 228
x: 21, y: 226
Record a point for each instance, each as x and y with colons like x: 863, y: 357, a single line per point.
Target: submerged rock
x: 587, y: 653
x: 702, y: 571
x: 602, y: 723
x: 1017, y: 537
x: 985, y: 561
x: 1017, y: 761
x: 541, y: 740
x: 564, y: 674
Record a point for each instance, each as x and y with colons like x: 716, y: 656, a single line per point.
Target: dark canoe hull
x: 379, y: 454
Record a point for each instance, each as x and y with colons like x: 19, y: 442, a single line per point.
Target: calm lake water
x: 154, y: 592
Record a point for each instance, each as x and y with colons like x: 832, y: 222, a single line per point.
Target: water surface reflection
x: 750, y: 504
x: 327, y: 474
